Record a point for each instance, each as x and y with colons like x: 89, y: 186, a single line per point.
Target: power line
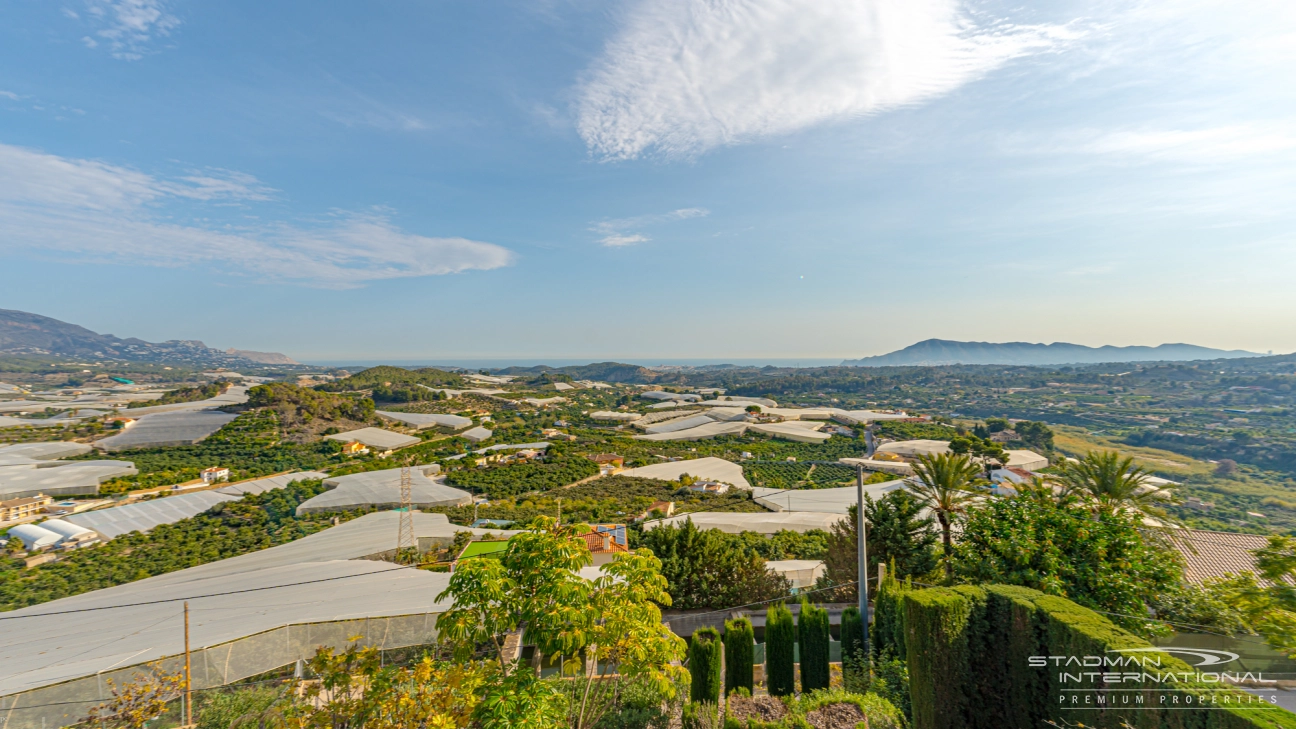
x: 200, y: 597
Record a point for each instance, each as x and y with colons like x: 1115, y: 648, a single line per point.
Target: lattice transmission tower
x: 406, y: 546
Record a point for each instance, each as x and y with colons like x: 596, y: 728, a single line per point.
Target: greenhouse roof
x: 162, y: 429
x: 711, y: 469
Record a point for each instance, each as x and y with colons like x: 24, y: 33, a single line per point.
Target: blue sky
x: 650, y: 179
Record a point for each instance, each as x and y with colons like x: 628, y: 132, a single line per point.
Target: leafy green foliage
x: 852, y: 638
x: 613, y: 620
x: 710, y: 569
x: 898, y: 536
x: 1267, y: 607
x: 740, y: 655
x: 813, y: 631
x: 1099, y: 560
x: 255, y: 522
x: 558, y: 469
x: 785, y: 475
x: 611, y: 499
x: 296, y: 406
x: 968, y: 651
x: 185, y: 394
x: 387, y: 376
x: 704, y: 665
x: 897, y: 430
x: 249, y: 446
x: 780, y: 647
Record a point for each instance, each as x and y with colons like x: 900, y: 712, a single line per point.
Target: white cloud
x: 129, y: 26
x: 10, y: 96
x: 683, y: 76
x: 92, y: 211
x: 1210, y: 144
x: 616, y: 232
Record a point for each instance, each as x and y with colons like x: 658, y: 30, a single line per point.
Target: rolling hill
x: 26, y: 334
x: 946, y: 352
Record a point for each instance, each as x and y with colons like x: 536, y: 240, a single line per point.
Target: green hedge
x: 852, y: 636
x: 704, y: 665
x: 815, y: 633
x: 968, y: 651
x: 888, y: 618
x: 780, y: 651
x: 740, y: 655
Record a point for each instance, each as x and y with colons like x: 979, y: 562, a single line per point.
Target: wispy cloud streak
x: 684, y: 76
x: 91, y: 211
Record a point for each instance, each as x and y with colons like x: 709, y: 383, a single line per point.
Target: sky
x: 650, y: 179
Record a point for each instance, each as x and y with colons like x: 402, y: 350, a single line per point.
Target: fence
x: 67, y: 703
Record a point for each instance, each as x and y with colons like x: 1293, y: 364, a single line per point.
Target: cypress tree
x: 740, y: 653
x: 852, y: 638
x: 704, y: 665
x: 780, y: 646
x: 814, y: 631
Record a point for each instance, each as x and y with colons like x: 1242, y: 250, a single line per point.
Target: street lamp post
x: 862, y: 547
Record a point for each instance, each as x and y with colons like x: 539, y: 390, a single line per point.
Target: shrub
x: 740, y: 649
x: 968, y: 651
x: 852, y: 637
x: 815, y: 635
x: 704, y: 665
x: 700, y: 716
x: 780, y: 646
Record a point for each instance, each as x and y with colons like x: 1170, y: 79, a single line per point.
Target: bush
x: 740, y: 650
x: 888, y: 617
x: 968, y: 651
x: 780, y: 646
x: 704, y: 665
x: 700, y: 716
x: 815, y: 635
x: 878, y: 712
x: 852, y: 637
x: 218, y: 710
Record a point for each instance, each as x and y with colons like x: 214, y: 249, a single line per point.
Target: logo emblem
x: 1208, y: 656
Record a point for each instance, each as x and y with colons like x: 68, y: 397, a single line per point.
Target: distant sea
x: 492, y: 364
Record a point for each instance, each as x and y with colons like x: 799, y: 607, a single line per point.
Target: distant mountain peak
x: 933, y: 352
x: 24, y: 333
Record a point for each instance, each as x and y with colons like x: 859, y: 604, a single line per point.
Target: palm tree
x: 1042, y: 492
x: 944, y: 485
x: 1115, y: 483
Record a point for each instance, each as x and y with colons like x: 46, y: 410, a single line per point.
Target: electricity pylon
x: 406, y: 545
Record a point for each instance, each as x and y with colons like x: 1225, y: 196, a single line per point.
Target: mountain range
x: 26, y: 334
x: 932, y: 352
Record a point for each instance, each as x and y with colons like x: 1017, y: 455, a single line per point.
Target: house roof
x: 1208, y: 555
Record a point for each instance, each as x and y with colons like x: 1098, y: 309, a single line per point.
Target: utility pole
x: 188, y: 703
x: 862, y: 544
x: 559, y: 523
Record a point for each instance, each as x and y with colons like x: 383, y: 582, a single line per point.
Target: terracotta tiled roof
x: 603, y: 542
x: 1215, y: 554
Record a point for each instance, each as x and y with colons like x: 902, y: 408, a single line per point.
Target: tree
x: 1035, y: 434
x: 852, y: 638
x: 1226, y: 468
x: 356, y: 690
x: 897, y: 535
x: 1105, y: 561
x: 706, y: 568
x: 704, y: 665
x: 944, y: 485
x: 813, y: 630
x: 1114, y: 483
x: 135, y: 703
x: 1267, y: 602
x: 780, y: 647
x: 740, y: 655
x: 613, y: 621
x: 1041, y: 491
